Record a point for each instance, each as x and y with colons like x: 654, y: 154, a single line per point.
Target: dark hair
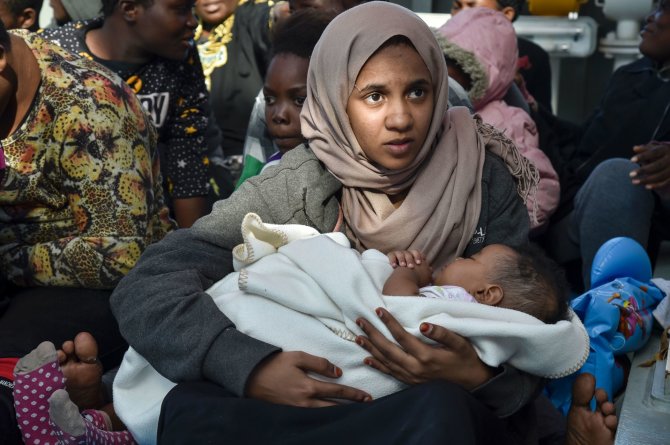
x: 396, y: 40
x: 533, y: 283
x: 299, y: 32
x: 16, y: 7
x: 4, y: 37
x: 516, y: 4
x: 109, y: 5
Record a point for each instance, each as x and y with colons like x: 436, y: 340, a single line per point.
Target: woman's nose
x: 399, y: 118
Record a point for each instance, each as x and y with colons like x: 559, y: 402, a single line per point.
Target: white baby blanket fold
x: 307, y: 294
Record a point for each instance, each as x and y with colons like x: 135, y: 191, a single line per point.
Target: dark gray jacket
x: 167, y: 317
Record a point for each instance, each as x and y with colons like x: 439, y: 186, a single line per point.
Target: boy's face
x: 285, y: 90
x: 473, y: 274
x: 213, y: 12
x: 391, y: 106
x: 656, y: 34
x: 166, y: 28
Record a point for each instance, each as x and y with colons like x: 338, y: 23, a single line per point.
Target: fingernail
x: 636, y: 181
x: 634, y: 159
x: 359, y: 323
x: 359, y: 341
x: 367, y: 362
x: 649, y: 187
x: 367, y: 399
x: 338, y: 371
x: 379, y: 313
x: 425, y: 328
x: 633, y: 173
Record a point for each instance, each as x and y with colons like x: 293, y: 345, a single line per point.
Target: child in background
x: 534, y: 70
x: 233, y: 40
x: 285, y: 85
x: 21, y: 14
x: 522, y: 279
x: 149, y: 45
x: 481, y: 42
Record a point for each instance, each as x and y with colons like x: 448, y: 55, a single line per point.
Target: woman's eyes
x: 374, y: 98
x: 269, y: 100
x: 299, y: 101
x: 417, y: 93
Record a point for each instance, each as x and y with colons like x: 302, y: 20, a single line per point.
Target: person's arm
x: 403, y: 281
x: 186, y: 146
x: 188, y: 210
x: 166, y: 315
x: 411, y: 272
x: 110, y: 199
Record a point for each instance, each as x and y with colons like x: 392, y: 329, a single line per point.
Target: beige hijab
x: 441, y: 209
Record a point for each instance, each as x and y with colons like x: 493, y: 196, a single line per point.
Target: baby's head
x: 523, y: 279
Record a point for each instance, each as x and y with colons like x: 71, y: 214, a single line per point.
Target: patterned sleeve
x: 186, y: 149
x: 100, y: 158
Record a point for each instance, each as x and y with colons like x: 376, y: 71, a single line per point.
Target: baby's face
x: 473, y: 273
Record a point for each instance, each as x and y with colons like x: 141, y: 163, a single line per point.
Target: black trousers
x: 29, y: 316
x: 432, y: 413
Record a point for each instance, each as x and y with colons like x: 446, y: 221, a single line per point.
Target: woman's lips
x: 399, y: 147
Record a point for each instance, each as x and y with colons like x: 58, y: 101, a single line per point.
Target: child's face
x: 473, y: 274
x: 165, y: 28
x: 456, y: 73
x: 213, y: 12
x: 459, y: 5
x: 285, y: 90
x: 391, y: 106
x: 656, y: 33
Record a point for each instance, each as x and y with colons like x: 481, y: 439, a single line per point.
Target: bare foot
x: 586, y: 427
x: 83, y: 372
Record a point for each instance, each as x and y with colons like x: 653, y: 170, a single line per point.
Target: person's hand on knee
x: 654, y: 171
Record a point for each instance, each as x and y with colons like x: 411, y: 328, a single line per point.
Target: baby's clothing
x: 451, y: 293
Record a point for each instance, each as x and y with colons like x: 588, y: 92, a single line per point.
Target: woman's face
x: 285, y: 90
x: 213, y: 12
x: 391, y: 106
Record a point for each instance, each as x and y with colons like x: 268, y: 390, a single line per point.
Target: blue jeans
x: 607, y: 205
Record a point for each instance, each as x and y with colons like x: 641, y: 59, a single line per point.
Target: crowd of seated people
x: 116, y: 216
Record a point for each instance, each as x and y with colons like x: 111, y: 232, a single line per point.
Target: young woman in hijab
x: 389, y: 165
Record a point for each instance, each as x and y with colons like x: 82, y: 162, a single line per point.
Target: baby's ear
x: 492, y: 295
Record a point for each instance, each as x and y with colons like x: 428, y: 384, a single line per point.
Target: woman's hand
x: 413, y: 362
x: 282, y: 378
x: 654, y: 171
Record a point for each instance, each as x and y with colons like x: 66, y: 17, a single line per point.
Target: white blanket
x: 303, y: 291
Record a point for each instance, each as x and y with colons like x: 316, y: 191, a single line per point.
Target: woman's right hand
x: 282, y: 378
